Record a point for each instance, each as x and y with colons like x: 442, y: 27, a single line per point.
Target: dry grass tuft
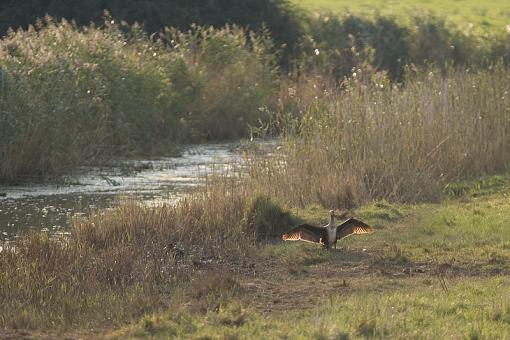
x: 129, y: 260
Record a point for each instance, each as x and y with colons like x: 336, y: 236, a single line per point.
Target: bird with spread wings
x: 329, y: 234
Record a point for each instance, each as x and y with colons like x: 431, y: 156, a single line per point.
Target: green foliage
x: 368, y: 35
x: 72, y: 96
x: 479, y: 187
x: 337, y: 44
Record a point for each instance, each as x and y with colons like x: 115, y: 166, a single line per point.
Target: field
x: 412, y: 138
x: 492, y: 15
x: 430, y: 271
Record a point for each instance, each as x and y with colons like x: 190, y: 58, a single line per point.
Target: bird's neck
x: 331, y: 221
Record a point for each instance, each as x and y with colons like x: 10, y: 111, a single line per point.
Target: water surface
x: 164, y: 180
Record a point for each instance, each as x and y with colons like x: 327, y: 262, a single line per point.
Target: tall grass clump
x: 131, y: 260
x: 127, y: 261
x: 71, y: 96
x: 370, y: 139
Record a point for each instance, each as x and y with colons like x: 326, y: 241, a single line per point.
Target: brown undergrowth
x: 124, y: 262
x: 359, y: 144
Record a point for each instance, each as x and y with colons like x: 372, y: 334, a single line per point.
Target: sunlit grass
x: 431, y: 271
x: 472, y: 15
x: 422, y: 310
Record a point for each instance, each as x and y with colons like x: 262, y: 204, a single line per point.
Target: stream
x: 50, y: 207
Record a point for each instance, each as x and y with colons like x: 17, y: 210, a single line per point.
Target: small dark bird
x: 329, y: 234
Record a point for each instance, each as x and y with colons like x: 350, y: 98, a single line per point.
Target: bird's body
x: 329, y: 234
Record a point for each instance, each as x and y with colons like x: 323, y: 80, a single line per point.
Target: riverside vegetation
x: 97, y: 92
x: 351, y: 139
x: 407, y: 144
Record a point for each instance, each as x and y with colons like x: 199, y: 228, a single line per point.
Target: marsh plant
x: 343, y: 146
x: 372, y: 139
x: 133, y: 259
x: 71, y: 96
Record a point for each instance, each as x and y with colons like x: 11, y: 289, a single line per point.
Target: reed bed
x: 74, y: 96
x: 375, y: 140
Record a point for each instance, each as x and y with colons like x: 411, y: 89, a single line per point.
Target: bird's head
x: 340, y: 215
x: 332, y: 217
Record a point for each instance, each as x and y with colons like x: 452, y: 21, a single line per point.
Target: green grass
x: 479, y: 309
x: 430, y: 271
x: 491, y: 15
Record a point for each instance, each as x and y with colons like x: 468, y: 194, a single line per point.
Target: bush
x: 337, y: 45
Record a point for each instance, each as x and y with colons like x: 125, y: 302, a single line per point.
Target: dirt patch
x: 273, y: 286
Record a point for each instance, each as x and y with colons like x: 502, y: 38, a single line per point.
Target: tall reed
x: 373, y: 140
x: 72, y: 96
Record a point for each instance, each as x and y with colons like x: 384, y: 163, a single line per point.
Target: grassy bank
x: 421, y: 310
x: 196, y: 270
x: 367, y: 141
x: 124, y: 262
x: 430, y: 270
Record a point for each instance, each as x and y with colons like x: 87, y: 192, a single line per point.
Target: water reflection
x: 50, y: 207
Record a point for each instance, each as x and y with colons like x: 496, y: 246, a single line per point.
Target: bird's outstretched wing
x: 307, y: 233
x: 351, y: 227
